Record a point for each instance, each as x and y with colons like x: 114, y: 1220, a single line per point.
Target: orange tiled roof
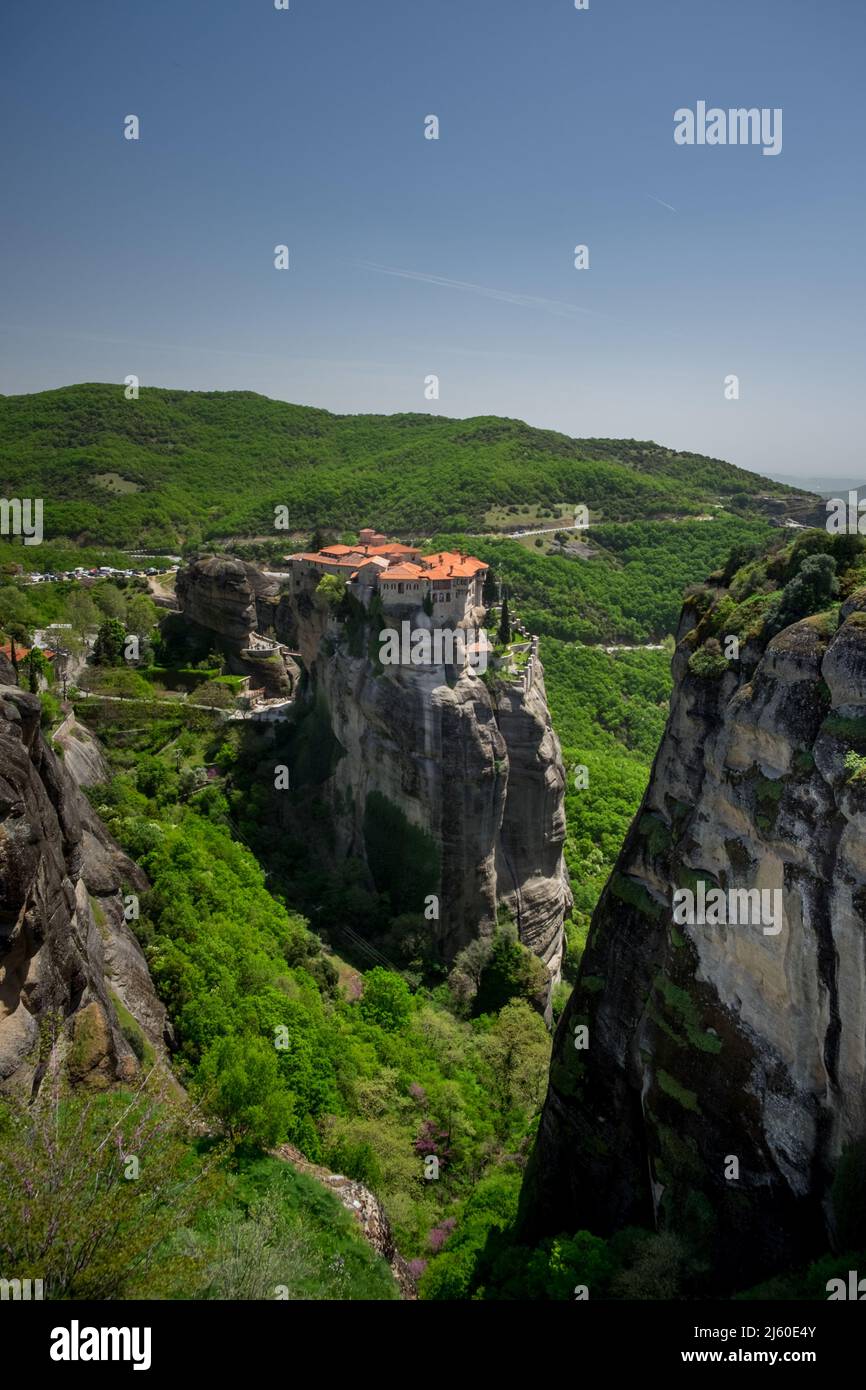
x: 404, y: 571
x: 446, y: 564
x: 391, y: 548
x: 23, y: 652
x: 449, y: 565
x: 318, y: 558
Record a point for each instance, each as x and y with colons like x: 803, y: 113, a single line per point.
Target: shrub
x: 241, y: 1087
x: 811, y: 589
x: 386, y: 999
x: 510, y: 972
x: 855, y: 764
x: 708, y: 662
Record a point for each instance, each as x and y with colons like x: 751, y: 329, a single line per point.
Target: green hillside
x: 180, y: 467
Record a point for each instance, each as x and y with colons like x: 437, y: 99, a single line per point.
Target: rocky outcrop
x: 531, y: 876
x: 82, y: 754
x: 219, y: 593
x: 74, y: 986
x: 706, y: 1077
x: 367, y: 1210
x: 477, y: 768
x: 222, y: 595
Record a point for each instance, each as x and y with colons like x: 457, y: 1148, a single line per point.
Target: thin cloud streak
x: 525, y: 301
x: 661, y: 202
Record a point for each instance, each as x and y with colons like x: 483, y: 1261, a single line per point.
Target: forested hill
x: 177, y: 466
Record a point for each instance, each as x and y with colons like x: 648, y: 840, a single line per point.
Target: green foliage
x: 110, y: 640
x: 357, y: 1080
x: 122, y: 681
x: 482, y: 1260
x: 609, y: 711
x: 156, y: 779
x: 709, y: 661
x: 386, y: 999
x: 71, y: 1217
x: 215, y: 694
x: 187, y: 466
x: 855, y: 764
x: 128, y: 1026
x: 281, y: 1235
x: 510, y: 972
x: 632, y: 592
x: 492, y: 1207
x: 241, y: 1087
x: 36, y: 668
x: 82, y: 612
x: 849, y: 728
x: 330, y: 590
x: 684, y: 1012
x: 52, y: 712
x: 810, y: 590
x: 504, y: 631
x: 110, y: 601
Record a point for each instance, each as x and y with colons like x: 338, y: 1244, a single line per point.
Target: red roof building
x: 403, y: 577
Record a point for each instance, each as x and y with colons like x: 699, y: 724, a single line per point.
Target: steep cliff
x: 477, y: 770
x: 722, y: 1068
x: 74, y: 986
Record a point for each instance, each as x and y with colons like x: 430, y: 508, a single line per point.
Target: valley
x: 336, y: 916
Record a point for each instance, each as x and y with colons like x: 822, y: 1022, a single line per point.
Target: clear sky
x: 455, y: 257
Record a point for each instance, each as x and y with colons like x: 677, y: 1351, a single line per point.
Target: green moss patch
x: 133, y: 1032
x: 681, y: 1004
x: 671, y: 1087
x: 656, y: 834
x: 628, y: 890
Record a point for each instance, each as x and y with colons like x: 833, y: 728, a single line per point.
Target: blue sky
x: 306, y: 127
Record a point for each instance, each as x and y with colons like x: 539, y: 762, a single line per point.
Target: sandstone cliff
x: 74, y: 986
x: 726, y: 1066
x: 478, y: 770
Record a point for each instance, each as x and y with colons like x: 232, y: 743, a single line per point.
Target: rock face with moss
x: 722, y: 1069
x: 446, y: 788
x: 74, y: 986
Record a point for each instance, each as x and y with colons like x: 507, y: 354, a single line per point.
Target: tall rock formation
x: 725, y: 1069
x: 74, y: 985
x: 476, y: 768
x: 221, y: 595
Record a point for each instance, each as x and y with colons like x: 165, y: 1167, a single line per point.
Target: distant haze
x: 814, y: 482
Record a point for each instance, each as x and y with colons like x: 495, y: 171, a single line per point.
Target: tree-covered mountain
x: 185, y: 466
